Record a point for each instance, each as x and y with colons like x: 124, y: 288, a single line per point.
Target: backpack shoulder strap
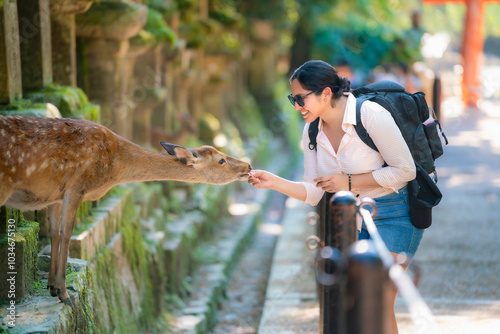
x: 313, y: 133
x: 360, y: 129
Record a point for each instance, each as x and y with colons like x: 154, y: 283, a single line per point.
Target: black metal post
x: 366, y: 289
x: 337, y: 230
x: 436, y: 97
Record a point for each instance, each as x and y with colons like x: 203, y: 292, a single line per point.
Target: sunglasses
x: 299, y: 99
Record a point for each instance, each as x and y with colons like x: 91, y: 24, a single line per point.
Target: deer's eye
x: 222, y: 161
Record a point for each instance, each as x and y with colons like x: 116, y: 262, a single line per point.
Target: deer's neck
x: 140, y: 164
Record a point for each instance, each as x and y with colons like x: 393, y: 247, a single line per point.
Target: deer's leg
x: 71, y: 203
x: 55, y: 221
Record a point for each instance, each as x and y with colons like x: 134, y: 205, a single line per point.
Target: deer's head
x: 215, y: 167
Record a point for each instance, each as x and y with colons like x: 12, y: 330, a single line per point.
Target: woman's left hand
x: 333, y: 183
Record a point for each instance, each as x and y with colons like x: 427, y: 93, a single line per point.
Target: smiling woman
x: 299, y: 99
x: 339, y: 159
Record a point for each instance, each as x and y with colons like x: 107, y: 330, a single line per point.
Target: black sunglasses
x: 299, y: 99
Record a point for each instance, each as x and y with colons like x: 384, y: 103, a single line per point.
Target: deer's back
x: 47, y: 156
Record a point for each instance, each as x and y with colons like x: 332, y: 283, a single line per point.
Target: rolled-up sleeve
x: 314, y: 194
x: 391, y: 145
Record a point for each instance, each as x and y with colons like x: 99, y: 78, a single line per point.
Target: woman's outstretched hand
x: 261, y: 179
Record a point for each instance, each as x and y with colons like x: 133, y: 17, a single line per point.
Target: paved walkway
x: 291, y: 304
x: 459, y: 255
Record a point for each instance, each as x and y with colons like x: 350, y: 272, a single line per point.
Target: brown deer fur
x: 59, y: 163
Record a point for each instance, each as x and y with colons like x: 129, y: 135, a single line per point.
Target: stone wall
x: 157, y: 70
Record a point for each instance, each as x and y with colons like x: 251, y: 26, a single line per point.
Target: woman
x: 342, y: 161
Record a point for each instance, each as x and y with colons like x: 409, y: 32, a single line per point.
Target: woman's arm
x: 265, y: 180
x: 337, y: 182
x: 391, y: 145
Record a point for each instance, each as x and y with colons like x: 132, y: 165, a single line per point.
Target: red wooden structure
x: 472, y: 47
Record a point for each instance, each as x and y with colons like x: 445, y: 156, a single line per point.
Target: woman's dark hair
x: 315, y: 75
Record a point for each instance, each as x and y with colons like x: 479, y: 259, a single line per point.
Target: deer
x: 60, y: 162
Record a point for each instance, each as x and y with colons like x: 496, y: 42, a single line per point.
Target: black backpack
x: 411, y: 114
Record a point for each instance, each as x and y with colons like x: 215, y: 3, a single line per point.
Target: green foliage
x: 225, y: 12
x: 196, y: 33
x: 186, y: 4
x: 492, y: 28
x: 445, y: 18
x: 157, y: 26
x: 291, y: 118
x: 364, y: 33
x: 166, y: 8
x: 264, y: 9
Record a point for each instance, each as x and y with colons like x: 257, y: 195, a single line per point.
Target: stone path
x: 459, y: 254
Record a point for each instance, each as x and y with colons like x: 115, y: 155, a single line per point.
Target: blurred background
x: 195, y: 72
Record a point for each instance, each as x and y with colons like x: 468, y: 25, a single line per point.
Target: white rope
x: 424, y: 320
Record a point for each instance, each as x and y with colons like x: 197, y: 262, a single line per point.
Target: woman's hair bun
x: 344, y: 85
x: 315, y: 75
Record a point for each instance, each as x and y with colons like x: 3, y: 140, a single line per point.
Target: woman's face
x: 312, y: 108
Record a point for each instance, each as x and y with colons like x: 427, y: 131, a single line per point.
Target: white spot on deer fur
x: 2, y: 132
x: 13, y: 169
x: 13, y: 139
x: 30, y: 169
x: 8, y: 154
x: 44, y: 164
x: 20, y: 160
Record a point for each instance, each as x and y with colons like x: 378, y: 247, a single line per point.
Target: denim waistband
x: 401, y: 194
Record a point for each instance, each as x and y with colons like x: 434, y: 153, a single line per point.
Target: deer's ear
x: 185, y: 156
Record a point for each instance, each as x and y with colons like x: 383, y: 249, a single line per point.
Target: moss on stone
x: 84, y: 209
x: 83, y: 224
x: 71, y: 101
x: 108, y: 295
x: 25, y: 107
x: 108, y: 13
x: 157, y: 26
x: 83, y: 312
x: 136, y: 253
x: 26, y: 245
x: 143, y: 38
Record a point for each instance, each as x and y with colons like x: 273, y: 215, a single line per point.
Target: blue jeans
x: 394, y: 224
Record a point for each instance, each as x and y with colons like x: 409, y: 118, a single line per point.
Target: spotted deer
x: 58, y: 163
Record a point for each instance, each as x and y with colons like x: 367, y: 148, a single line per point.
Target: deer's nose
x: 249, y: 168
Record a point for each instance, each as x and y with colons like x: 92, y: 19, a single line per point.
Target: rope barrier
x: 418, y: 309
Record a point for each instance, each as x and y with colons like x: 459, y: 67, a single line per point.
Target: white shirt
x: 355, y: 157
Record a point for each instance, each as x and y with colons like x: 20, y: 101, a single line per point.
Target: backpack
x: 420, y: 131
